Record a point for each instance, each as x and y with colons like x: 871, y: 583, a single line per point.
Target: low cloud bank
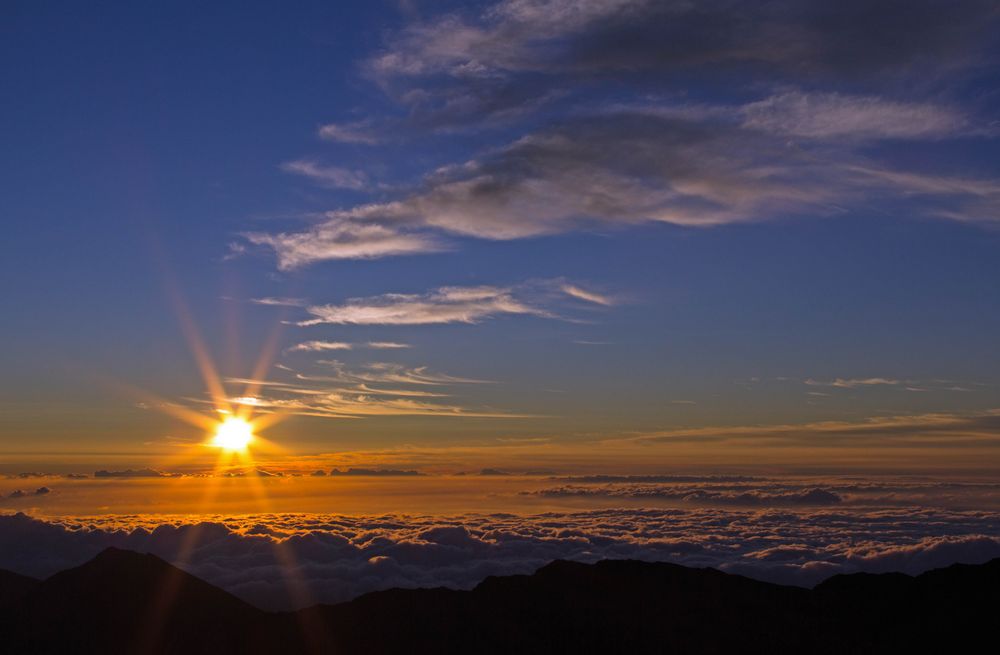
x: 287, y: 560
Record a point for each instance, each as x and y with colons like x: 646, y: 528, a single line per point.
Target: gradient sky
x: 619, y: 233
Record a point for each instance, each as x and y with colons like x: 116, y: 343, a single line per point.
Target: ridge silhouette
x: 115, y: 604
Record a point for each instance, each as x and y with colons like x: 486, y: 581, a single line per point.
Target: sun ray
x: 204, y: 361
x: 264, y: 361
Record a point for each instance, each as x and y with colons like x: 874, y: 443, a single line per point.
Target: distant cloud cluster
x: 17, y: 494
x: 747, y: 497
x: 736, y: 491
x: 626, y: 140
x: 339, y: 557
x: 131, y: 473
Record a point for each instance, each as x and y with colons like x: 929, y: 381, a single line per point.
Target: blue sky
x: 614, y: 218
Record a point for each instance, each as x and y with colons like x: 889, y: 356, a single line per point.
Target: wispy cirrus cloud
x: 333, y: 177
x: 343, y: 238
x: 387, y: 345
x: 587, y: 295
x: 382, y: 372
x: 928, y: 430
x: 851, y: 383
x: 839, y: 116
x: 351, y: 132
x: 321, y: 346
x: 279, y: 301
x: 444, y: 305
x: 369, y: 390
x: 455, y: 304
x: 902, y: 384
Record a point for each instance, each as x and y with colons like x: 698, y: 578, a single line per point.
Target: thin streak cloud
x: 444, y: 305
x: 333, y: 177
x: 321, y: 346
x: 337, y: 238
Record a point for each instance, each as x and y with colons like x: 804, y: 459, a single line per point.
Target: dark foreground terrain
x: 125, y: 602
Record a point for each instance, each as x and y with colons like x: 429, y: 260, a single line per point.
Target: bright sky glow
x: 233, y: 434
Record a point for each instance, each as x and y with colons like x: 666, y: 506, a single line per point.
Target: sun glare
x: 233, y: 434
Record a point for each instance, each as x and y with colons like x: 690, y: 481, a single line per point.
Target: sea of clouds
x: 279, y: 561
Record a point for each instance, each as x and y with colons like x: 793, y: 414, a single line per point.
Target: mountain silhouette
x: 14, y: 586
x: 125, y: 602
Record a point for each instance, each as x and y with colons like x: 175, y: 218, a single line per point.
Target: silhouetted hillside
x: 124, y: 602
x: 13, y: 587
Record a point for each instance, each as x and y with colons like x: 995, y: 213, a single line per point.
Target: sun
x: 233, y: 434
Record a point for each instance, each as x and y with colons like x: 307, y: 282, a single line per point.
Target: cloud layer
x: 663, y: 164
x: 339, y: 557
x: 506, y: 59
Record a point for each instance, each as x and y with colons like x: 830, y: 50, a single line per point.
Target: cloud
x: 797, y: 150
x: 18, y: 494
x: 333, y: 177
x: 873, y: 382
x: 363, y: 392
x: 621, y: 168
x: 587, y: 296
x: 355, y: 132
x: 131, y: 473
x: 728, y: 496
x: 355, y: 404
x: 320, y: 346
x: 854, y: 382
x: 967, y: 199
x: 463, y: 67
x: 340, y: 557
x: 396, y: 373
x: 598, y: 479
x: 279, y: 302
x: 366, y: 472
x: 833, y: 115
x: 339, y: 238
x: 634, y: 165
x: 930, y: 430
x: 443, y: 305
